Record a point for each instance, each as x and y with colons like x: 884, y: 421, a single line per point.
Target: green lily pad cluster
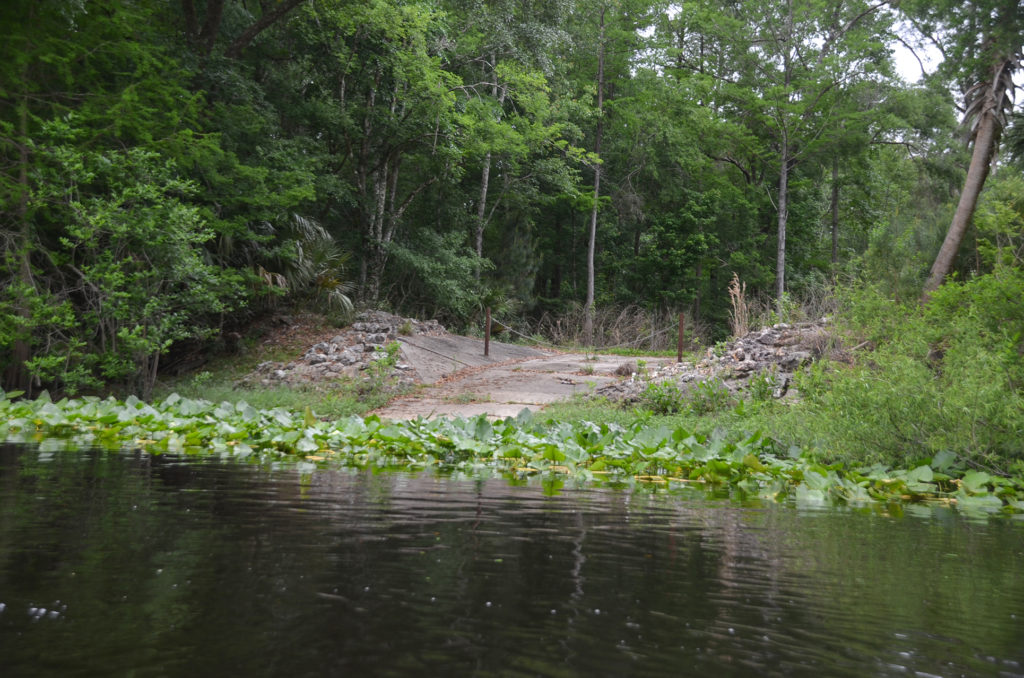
x: 754, y: 466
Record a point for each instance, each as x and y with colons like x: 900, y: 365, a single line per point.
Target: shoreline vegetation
x: 929, y: 412
x: 581, y: 452
x: 591, y: 174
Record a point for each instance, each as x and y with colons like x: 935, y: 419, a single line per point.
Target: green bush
x: 763, y: 384
x: 668, y: 397
x: 710, y: 396
x: 945, y: 376
x: 663, y: 397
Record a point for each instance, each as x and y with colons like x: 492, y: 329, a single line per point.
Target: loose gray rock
x: 779, y: 350
x: 348, y: 352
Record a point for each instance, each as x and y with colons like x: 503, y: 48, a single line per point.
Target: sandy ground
x: 458, y: 380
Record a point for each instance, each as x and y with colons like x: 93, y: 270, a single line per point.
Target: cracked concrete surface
x: 458, y: 380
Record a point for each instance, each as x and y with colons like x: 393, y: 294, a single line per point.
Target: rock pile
x: 775, y: 353
x: 348, y: 354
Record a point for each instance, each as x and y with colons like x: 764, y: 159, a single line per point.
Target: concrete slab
x: 435, y: 358
x: 500, y: 388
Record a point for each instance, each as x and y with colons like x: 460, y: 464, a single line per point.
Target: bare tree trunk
x: 588, y: 309
x: 696, y: 297
x: 981, y: 160
x: 191, y: 23
x: 780, y: 260
x: 363, y: 178
x: 485, y: 180
x: 481, y: 209
x: 378, y: 252
x: 835, y: 212
x: 556, y: 277
x: 211, y: 26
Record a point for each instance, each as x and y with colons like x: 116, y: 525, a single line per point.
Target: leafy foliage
x: 753, y: 466
x: 169, y: 171
x: 943, y: 378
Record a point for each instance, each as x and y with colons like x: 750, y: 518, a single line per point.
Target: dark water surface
x: 131, y: 565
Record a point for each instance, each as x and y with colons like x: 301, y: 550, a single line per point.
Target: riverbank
x: 576, y: 452
x: 925, y: 406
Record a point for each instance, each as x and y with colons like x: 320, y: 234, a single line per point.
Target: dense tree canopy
x: 169, y: 168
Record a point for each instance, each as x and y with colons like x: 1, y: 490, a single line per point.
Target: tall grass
x: 739, y: 317
x: 632, y: 327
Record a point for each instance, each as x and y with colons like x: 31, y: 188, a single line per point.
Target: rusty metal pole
x: 487, y: 333
x: 679, y: 349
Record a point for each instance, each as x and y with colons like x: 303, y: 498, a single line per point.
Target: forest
x: 172, y: 169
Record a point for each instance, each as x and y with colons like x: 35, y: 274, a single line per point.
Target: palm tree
x: 989, y: 102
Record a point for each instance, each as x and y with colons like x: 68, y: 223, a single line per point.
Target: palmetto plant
x: 312, y: 265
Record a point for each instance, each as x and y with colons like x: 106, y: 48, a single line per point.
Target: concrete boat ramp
x: 458, y: 380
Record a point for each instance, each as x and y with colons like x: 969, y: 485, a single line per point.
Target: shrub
x: 710, y: 396
x: 664, y: 397
x: 944, y: 377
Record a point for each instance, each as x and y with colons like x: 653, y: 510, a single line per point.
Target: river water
x: 134, y: 565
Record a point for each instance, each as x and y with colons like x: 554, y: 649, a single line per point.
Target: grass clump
x: 670, y: 397
x: 338, y: 399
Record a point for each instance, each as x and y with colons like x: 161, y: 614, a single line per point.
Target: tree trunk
x: 485, y: 180
x: 211, y: 27
x: 696, y: 296
x: 556, y: 278
x: 780, y: 260
x: 981, y: 160
x: 835, y: 212
x: 481, y: 208
x: 588, y: 309
x: 191, y: 22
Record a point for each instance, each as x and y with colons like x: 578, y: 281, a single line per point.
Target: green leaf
x: 805, y: 495
x: 920, y: 474
x: 975, y: 481
x: 306, y: 445
x: 751, y: 461
x: 943, y: 460
x: 987, y: 503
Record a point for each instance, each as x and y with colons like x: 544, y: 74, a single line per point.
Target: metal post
x: 679, y: 350
x: 487, y: 333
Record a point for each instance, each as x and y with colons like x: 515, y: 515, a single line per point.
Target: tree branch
x: 268, y: 18
x: 732, y: 161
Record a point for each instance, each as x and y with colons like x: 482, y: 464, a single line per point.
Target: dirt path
x: 460, y: 381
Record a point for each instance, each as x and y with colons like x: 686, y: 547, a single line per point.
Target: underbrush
x: 328, y: 399
x: 624, y: 328
x: 945, y: 377
x: 917, y: 381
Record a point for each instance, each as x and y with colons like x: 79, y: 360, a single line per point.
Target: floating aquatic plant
x: 753, y: 466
